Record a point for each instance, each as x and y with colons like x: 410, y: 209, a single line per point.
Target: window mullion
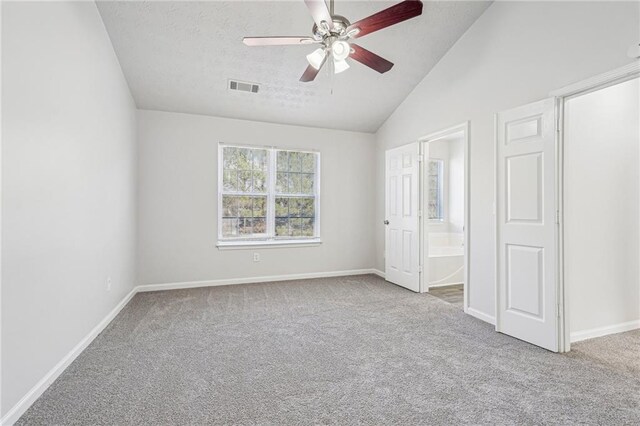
x: 271, y: 199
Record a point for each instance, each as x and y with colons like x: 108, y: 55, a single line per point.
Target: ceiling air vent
x: 243, y: 86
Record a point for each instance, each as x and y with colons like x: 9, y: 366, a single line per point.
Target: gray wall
x: 178, y: 202
x: 68, y: 185
x: 515, y: 53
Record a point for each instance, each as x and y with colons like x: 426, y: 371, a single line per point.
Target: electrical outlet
x: 256, y: 257
x: 108, y: 283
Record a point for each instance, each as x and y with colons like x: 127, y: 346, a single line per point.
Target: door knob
x: 386, y: 222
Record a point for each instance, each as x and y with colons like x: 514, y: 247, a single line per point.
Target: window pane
x: 244, y: 181
x: 282, y: 161
x: 307, y: 227
x: 282, y: 227
x: 259, y: 226
x: 229, y: 206
x: 282, y: 182
x: 230, y: 180
x: 245, y: 169
x: 308, y: 162
x: 243, y: 158
x: 433, y: 183
x: 307, y: 207
x: 230, y: 158
x: 282, y: 207
x: 259, y: 207
x: 243, y: 216
x: 245, y: 226
x: 296, y: 172
x: 295, y: 183
x: 435, y: 202
x: 259, y: 160
x: 259, y: 181
x: 296, y: 227
x: 307, y: 183
x: 245, y: 207
x: 295, y: 161
x: 295, y: 217
x: 294, y: 210
x: 229, y: 227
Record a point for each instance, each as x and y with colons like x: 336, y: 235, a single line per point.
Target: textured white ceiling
x: 177, y: 56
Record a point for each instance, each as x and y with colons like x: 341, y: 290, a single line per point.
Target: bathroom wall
x: 456, y: 186
x: 451, y: 152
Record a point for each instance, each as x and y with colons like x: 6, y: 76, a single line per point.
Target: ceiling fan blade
x: 385, y: 18
x: 277, y: 41
x: 319, y: 12
x: 309, y: 74
x: 370, y: 59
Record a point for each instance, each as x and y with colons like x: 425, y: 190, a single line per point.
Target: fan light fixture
x: 340, y: 50
x: 339, y: 66
x: 316, y: 58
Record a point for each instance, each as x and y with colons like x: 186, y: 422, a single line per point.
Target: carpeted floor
x: 331, y: 351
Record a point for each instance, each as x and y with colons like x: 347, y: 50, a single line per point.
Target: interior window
x: 436, y: 189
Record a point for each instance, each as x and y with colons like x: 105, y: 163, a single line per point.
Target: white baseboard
x: 444, y: 285
x: 251, y: 280
x: 603, y: 331
x: 481, y: 315
x: 378, y: 272
x: 21, y: 406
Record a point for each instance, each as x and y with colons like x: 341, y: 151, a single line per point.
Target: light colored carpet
x: 331, y: 351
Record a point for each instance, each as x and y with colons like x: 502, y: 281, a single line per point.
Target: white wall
x: 178, y: 203
x: 456, y: 185
x: 602, y: 214
x: 515, y: 53
x: 68, y: 185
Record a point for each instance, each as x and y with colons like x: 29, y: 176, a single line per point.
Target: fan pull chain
x: 332, y: 73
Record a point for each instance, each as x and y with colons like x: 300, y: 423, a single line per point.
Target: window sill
x: 240, y: 245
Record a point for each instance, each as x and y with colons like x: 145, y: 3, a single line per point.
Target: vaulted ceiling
x: 178, y: 56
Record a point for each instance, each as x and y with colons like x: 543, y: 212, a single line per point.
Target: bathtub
x: 446, y: 259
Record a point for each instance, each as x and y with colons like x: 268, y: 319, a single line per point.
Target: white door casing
x: 526, y: 224
x: 402, y: 171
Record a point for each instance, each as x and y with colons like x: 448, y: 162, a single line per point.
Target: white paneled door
x: 527, y: 224
x: 401, y: 220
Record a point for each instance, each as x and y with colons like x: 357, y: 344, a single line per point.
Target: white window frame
x: 271, y: 240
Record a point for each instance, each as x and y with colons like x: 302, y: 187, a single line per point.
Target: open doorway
x: 601, y: 210
x: 445, y: 216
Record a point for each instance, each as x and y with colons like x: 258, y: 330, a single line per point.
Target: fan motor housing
x: 340, y: 24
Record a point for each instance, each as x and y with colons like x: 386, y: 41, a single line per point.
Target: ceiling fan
x: 334, y: 34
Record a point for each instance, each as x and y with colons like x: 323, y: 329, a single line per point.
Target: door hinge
x: 420, y: 268
x: 420, y: 157
x: 557, y: 217
x: 419, y: 213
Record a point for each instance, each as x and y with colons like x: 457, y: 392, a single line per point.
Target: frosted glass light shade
x: 316, y: 58
x: 340, y: 50
x: 340, y: 66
